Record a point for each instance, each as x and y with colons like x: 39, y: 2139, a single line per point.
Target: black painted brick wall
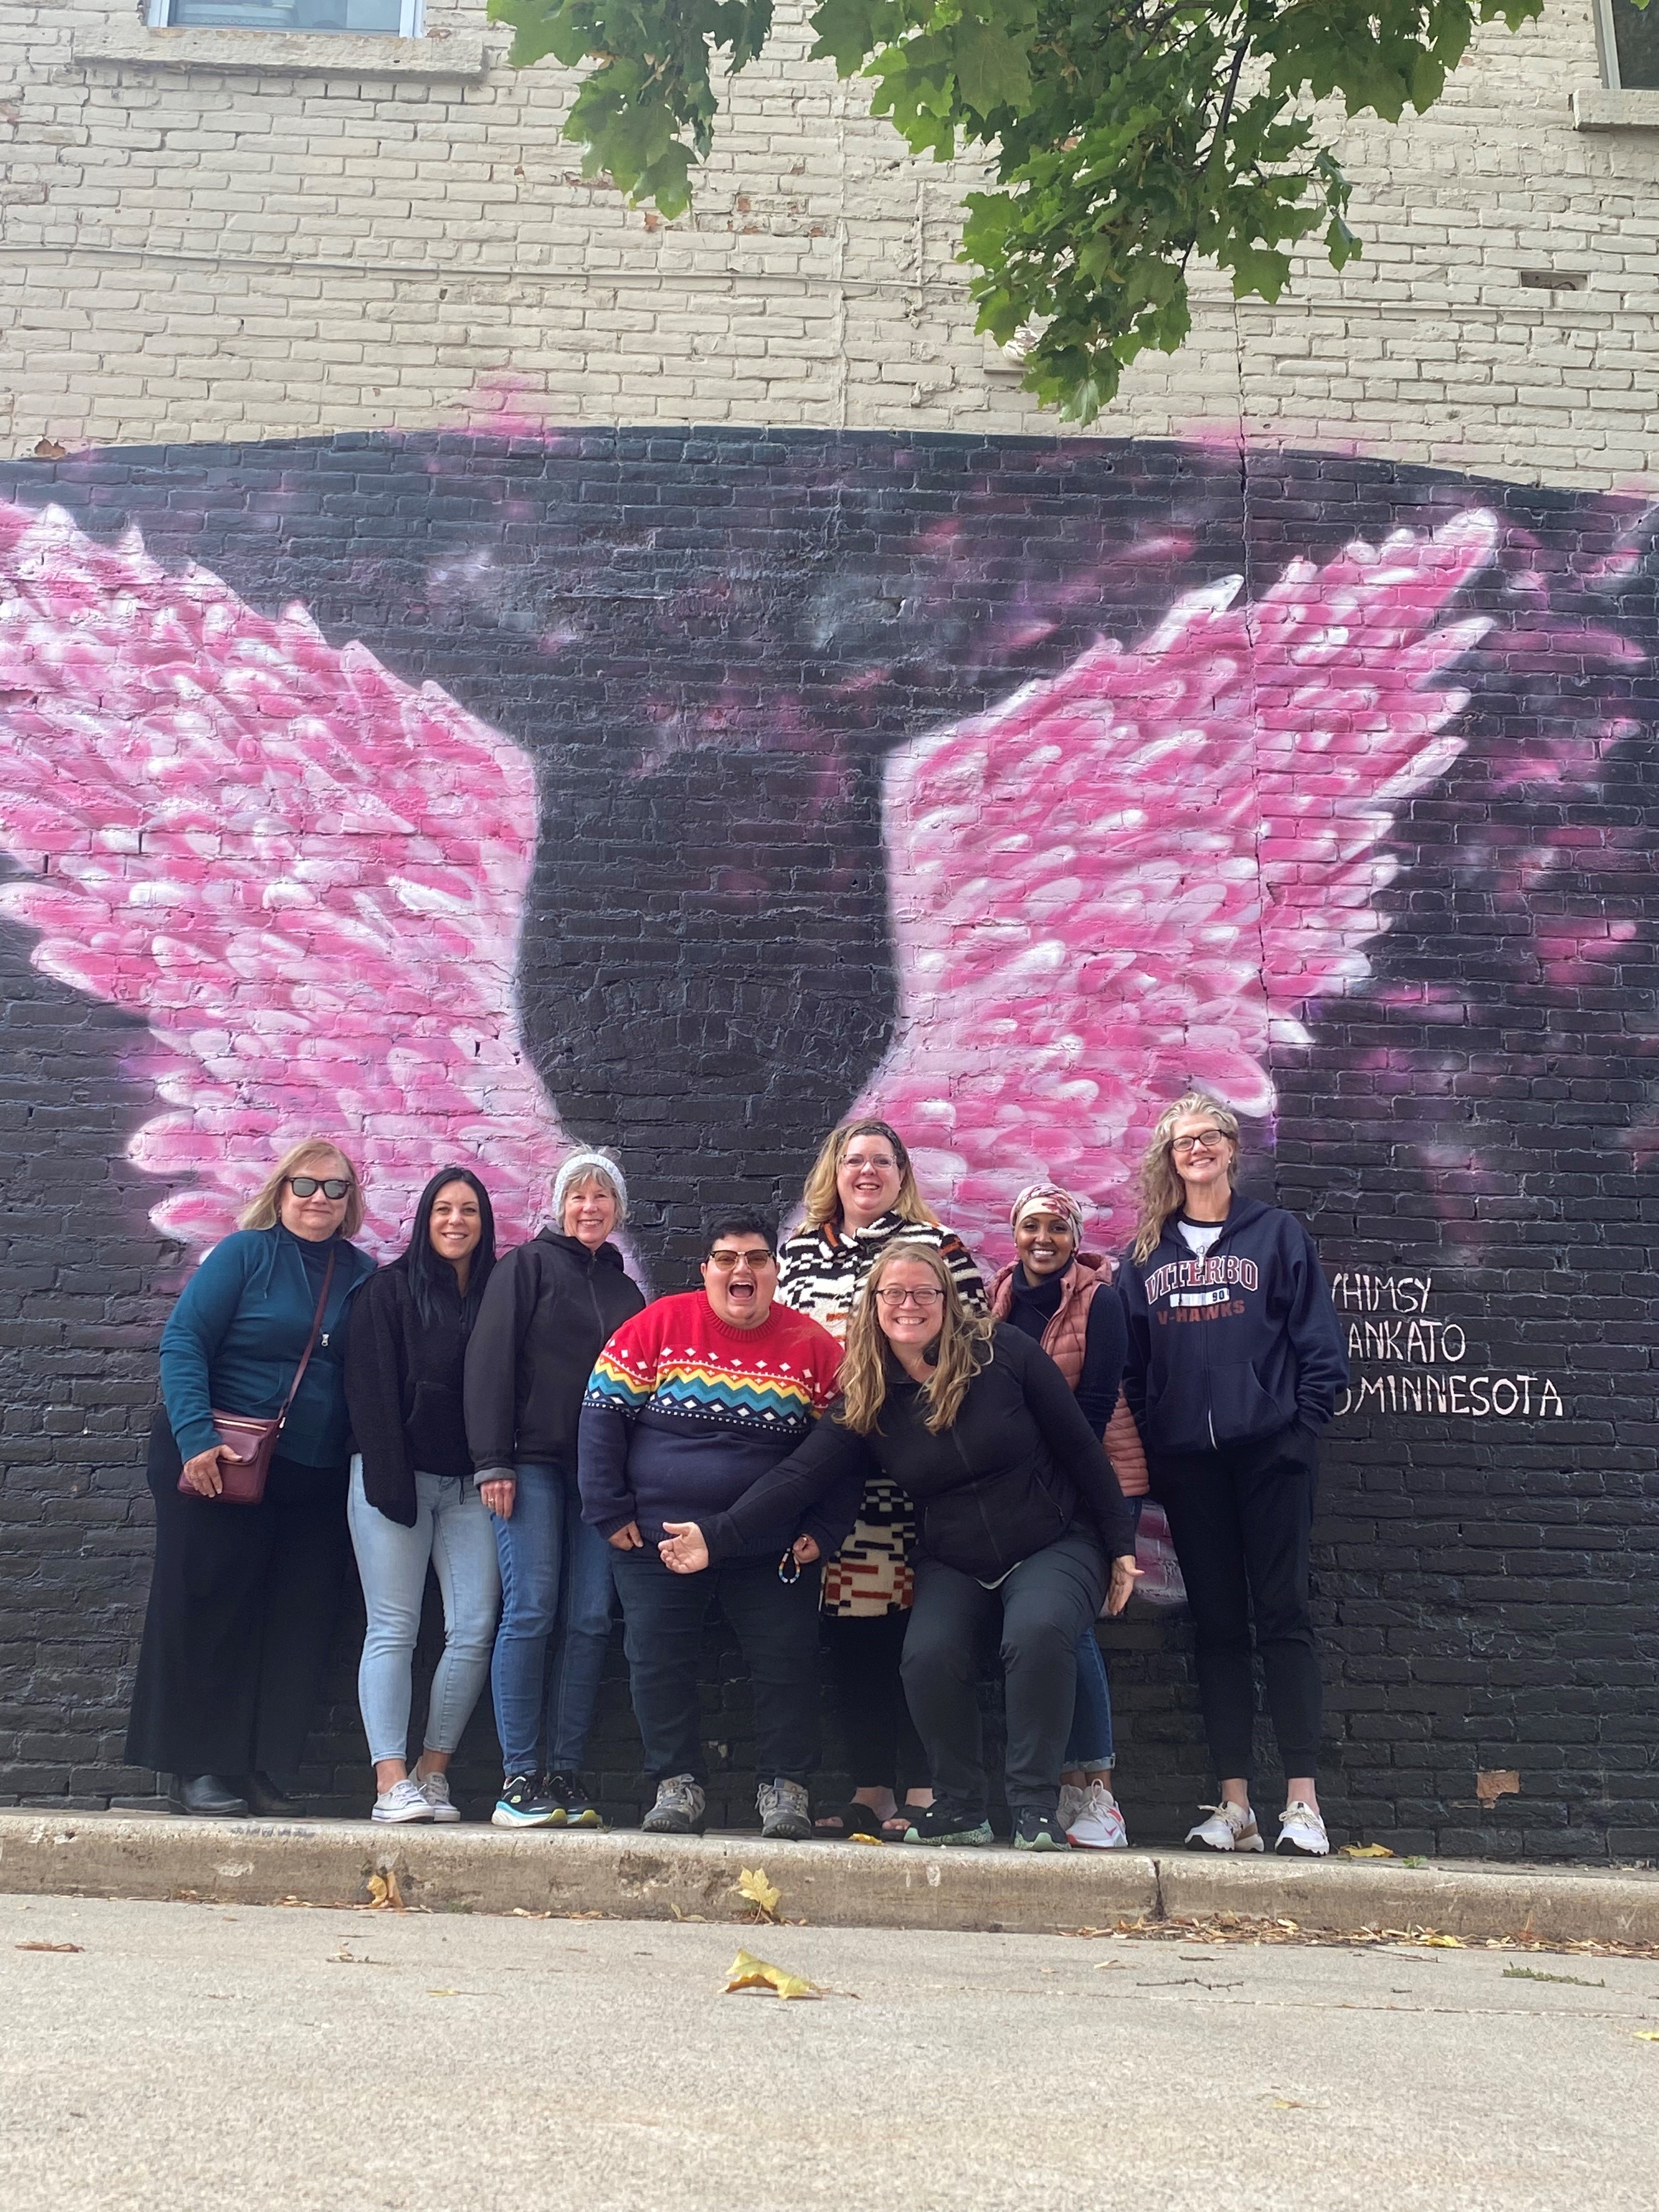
x: 1486, y: 1586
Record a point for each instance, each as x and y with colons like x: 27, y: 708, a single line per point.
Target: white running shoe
x: 1302, y: 1832
x: 435, y: 1788
x: 1071, y: 1802
x: 1096, y: 1825
x: 404, y: 1801
x: 1229, y: 1828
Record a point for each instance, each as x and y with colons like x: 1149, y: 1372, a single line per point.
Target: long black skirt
x: 242, y: 1605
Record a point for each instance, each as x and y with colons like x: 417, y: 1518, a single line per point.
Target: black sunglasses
x: 334, y: 1187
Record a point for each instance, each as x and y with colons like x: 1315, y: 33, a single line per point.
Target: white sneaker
x: 1229, y: 1828
x: 1302, y: 1832
x: 404, y: 1801
x: 1096, y: 1825
x: 435, y: 1788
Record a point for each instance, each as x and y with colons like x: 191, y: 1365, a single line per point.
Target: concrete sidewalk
x: 624, y: 1874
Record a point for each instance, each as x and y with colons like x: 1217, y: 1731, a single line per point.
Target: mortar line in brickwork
x: 769, y: 282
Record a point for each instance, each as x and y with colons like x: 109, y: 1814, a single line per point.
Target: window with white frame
x: 394, y: 18
x: 1629, y: 44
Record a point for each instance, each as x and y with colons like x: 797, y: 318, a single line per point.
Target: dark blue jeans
x: 555, y: 1589
x: 1090, y: 1745
x: 775, y: 1623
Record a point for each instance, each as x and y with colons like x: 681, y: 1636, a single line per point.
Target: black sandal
x: 895, y: 1829
x: 851, y: 1819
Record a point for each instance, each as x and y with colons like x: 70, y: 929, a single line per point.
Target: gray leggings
x: 1036, y: 1614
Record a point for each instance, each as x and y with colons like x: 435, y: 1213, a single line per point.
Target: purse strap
x: 311, y: 1341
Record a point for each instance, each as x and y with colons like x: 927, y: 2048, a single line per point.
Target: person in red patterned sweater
x: 689, y: 1404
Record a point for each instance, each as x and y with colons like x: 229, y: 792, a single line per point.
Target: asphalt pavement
x: 197, y: 2055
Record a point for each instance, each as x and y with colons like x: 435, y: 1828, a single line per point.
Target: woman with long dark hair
x: 413, y: 1501
x: 1018, y: 1515
x: 1235, y: 1360
x: 244, y: 1597
x: 860, y: 1198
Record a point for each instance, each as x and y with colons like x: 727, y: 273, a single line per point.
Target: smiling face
x: 1203, y: 1156
x: 741, y: 1278
x: 910, y: 1305
x: 457, y: 1223
x: 867, y: 1180
x: 590, y: 1214
x: 1044, y: 1243
x: 318, y: 1217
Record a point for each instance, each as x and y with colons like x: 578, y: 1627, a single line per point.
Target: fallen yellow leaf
x: 1366, y: 1851
x: 763, y: 1895
x: 858, y: 1836
x: 746, y: 1971
x: 1647, y: 2034
x: 384, y: 1894
x: 1443, y: 1942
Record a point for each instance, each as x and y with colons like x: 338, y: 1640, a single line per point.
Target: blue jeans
x: 452, y: 1530
x: 556, y: 1577
x: 1090, y: 1746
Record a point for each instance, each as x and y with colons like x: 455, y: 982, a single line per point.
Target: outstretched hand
x: 682, y: 1549
x: 1124, y: 1574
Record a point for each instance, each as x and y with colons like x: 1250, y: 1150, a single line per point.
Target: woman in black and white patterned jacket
x: 859, y: 1198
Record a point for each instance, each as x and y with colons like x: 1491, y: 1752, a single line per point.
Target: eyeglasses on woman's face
x: 1201, y: 1140
x: 756, y: 1256
x: 334, y: 1187
x: 893, y: 1301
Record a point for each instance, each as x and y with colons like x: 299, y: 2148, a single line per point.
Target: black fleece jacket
x: 1235, y: 1346
x: 403, y: 1388
x: 548, y: 1311
x: 1016, y: 1470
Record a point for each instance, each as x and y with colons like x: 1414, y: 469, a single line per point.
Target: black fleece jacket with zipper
x: 403, y: 1388
x: 1018, y: 1468
x: 1233, y: 1348
x: 548, y: 1311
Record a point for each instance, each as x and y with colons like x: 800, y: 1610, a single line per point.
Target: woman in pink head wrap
x: 1050, y: 1292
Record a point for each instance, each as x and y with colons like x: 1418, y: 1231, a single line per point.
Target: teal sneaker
x: 941, y: 1822
x: 523, y: 1803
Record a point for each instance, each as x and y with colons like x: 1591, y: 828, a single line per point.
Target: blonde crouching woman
x: 860, y: 1198
x: 1017, y: 1512
x: 1235, y: 1360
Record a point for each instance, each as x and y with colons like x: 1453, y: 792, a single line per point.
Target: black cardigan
x: 403, y: 1388
x: 1014, y: 1472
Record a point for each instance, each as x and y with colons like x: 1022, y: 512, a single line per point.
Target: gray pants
x: 1038, y: 1612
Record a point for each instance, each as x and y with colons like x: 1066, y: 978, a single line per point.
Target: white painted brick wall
x: 192, y: 252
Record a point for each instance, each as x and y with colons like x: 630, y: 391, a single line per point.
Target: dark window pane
x: 1636, y: 33
x: 287, y: 15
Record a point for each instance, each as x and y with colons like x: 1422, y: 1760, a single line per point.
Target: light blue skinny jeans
x: 555, y: 1579
x: 1090, y: 1745
x: 452, y: 1530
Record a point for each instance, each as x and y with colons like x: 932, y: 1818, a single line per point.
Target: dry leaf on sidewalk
x: 1366, y: 1851
x: 1439, y: 1942
x: 384, y: 1894
x: 49, y: 1947
x: 765, y: 1896
x: 746, y: 1971
x: 1646, y: 2034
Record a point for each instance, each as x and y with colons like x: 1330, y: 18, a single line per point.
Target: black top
x: 548, y: 1311
x: 1104, y: 1337
x: 1014, y: 1472
x: 403, y: 1388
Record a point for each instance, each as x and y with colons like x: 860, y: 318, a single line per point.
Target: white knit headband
x: 578, y: 1169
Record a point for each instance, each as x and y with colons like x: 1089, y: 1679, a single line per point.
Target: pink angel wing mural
x: 1135, y: 877
x: 305, y: 877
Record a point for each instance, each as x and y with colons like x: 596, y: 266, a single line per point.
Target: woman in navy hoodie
x: 1234, y: 1363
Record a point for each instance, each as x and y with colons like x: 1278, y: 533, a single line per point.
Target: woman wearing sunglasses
x: 243, y: 1598
x: 1235, y: 1360
x: 1018, y: 1515
x: 860, y: 1198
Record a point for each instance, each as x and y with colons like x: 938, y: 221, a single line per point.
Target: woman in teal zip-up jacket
x: 243, y: 1598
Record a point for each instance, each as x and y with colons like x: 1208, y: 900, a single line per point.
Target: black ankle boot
x: 271, y: 1801
x: 208, y: 1796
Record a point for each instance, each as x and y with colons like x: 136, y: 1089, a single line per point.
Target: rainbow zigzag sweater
x: 684, y: 1413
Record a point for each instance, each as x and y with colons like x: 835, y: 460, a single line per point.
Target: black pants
x: 777, y: 1626
x: 242, y: 1605
x: 1241, y: 1519
x: 1039, y: 1610
x: 883, y: 1750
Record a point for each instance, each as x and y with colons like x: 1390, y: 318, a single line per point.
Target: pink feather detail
x: 1135, y: 877
x: 304, y: 876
